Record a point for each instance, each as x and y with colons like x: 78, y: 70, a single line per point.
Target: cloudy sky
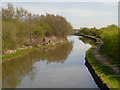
x: 79, y: 14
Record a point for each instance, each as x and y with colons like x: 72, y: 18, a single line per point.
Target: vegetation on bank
x: 23, y: 51
x: 109, y: 35
x: 106, y: 73
x: 21, y: 28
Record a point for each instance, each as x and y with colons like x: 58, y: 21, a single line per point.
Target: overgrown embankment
x: 22, y: 29
x: 45, y: 41
x: 22, y: 51
x: 103, y: 70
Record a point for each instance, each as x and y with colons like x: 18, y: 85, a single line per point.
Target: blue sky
x: 79, y: 14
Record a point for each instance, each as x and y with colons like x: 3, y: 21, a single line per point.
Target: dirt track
x: 104, y: 59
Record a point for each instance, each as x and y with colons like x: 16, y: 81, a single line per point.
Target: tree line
x: 109, y: 35
x: 20, y: 27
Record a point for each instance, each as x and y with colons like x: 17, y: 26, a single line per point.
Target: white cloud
x: 84, y: 12
x: 76, y: 12
x: 111, y: 3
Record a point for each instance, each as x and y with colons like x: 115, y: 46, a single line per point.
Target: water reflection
x: 87, y: 40
x: 16, y: 69
x: 58, y: 67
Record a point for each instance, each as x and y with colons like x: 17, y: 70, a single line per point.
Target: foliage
x: 110, y: 39
x: 25, y: 51
x: 8, y: 35
x: 106, y: 73
x: 109, y: 35
x: 87, y: 40
x: 21, y: 28
x: 90, y: 31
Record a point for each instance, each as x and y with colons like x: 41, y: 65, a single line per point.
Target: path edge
x: 96, y: 77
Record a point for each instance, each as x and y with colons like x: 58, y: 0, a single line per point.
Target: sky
x: 59, y: 0
x: 79, y: 14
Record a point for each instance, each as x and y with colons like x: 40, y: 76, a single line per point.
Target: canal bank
x: 97, y: 79
x: 21, y: 51
x: 103, y: 75
x: 61, y: 67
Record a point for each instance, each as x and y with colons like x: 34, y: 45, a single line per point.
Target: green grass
x: 106, y: 73
x: 20, y: 52
x: 58, y: 42
x: 113, y: 60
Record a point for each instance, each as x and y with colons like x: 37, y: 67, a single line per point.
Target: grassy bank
x: 109, y: 35
x: 106, y: 73
x: 21, y: 52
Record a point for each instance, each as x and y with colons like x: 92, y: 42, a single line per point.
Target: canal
x: 62, y: 66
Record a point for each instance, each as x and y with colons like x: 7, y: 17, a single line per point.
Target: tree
x: 23, y: 28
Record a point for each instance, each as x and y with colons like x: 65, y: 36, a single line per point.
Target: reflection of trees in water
x: 15, y: 69
x: 87, y: 40
x: 56, y: 54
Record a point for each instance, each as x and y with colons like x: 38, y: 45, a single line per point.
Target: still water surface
x: 62, y: 66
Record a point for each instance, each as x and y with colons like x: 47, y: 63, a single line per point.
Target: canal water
x: 62, y: 66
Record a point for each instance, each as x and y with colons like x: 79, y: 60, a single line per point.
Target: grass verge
x: 20, y: 52
x: 106, y: 73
